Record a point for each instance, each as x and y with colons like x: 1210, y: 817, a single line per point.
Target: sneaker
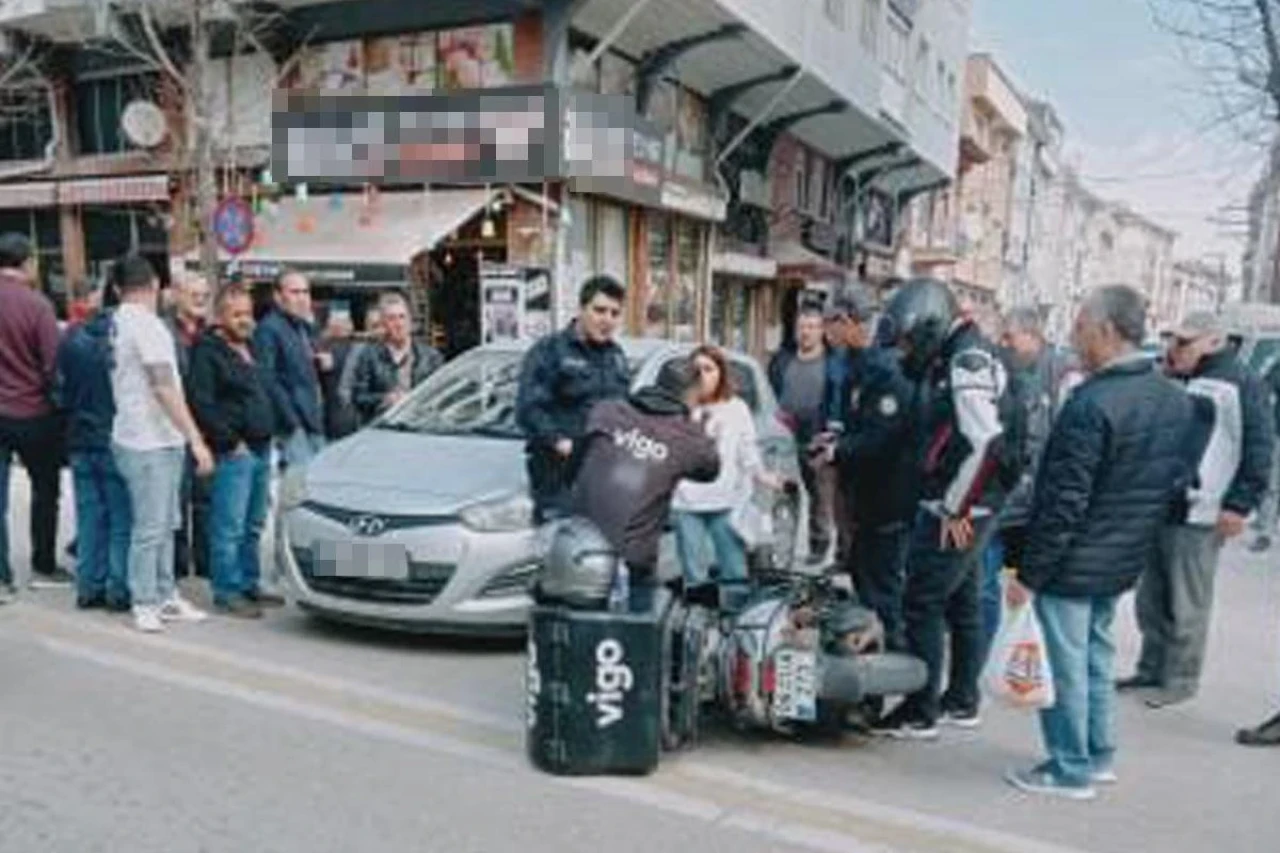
x: 90, y: 602
x: 1105, y: 777
x: 8, y: 595
x: 263, y: 598
x: 1261, y: 545
x: 178, y: 609
x: 1267, y: 734
x: 905, y: 724
x: 1042, y: 780
x: 1137, y: 682
x: 55, y: 579
x: 147, y: 620
x: 239, y: 607
x: 961, y: 719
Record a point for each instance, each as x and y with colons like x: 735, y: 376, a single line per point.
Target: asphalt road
x: 288, y: 735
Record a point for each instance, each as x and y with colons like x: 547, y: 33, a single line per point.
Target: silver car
x: 423, y: 522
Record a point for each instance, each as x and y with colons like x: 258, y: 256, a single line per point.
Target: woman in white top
x: 702, y: 511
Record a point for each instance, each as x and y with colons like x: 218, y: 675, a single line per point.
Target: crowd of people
x: 173, y: 411
x: 951, y: 476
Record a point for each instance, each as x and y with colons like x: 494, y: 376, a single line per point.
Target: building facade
x: 754, y: 150
x: 1031, y: 269
x: 1260, y: 265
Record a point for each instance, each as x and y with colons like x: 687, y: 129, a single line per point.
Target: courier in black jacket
x: 1232, y: 440
x: 234, y: 409
x: 1115, y: 459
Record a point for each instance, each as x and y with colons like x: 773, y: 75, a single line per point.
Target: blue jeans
x: 300, y: 448
x: 103, y: 522
x: 237, y: 513
x: 693, y: 529
x: 1079, y: 730
x: 154, y: 478
x: 992, y: 594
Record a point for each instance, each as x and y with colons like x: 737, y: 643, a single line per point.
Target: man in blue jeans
x: 285, y: 350
x: 1116, y: 457
x: 102, y: 499
x: 234, y: 411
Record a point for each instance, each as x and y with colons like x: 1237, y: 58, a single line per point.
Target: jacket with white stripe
x: 962, y: 429
x: 1232, y: 441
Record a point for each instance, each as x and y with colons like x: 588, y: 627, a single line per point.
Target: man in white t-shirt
x: 149, y: 436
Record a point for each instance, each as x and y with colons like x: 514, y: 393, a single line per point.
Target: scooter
x: 799, y: 655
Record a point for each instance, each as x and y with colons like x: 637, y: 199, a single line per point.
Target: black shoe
x: 1137, y: 682
x: 265, y: 599
x: 117, y: 605
x: 1267, y: 734
x: 961, y: 718
x: 905, y: 723
x: 58, y: 577
x: 1261, y: 545
x: 238, y: 607
x: 91, y: 602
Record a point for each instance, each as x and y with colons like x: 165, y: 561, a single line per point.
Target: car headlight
x: 501, y: 516
x: 293, y: 488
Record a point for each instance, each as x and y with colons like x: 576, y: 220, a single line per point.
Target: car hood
x: 411, y: 474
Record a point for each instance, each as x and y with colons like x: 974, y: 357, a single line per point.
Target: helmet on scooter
x: 917, y: 320
x: 579, y: 567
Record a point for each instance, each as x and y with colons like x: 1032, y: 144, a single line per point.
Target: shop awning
x: 796, y: 261
x: 746, y: 266
x: 392, y: 231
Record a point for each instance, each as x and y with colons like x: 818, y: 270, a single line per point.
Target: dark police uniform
x: 563, y: 376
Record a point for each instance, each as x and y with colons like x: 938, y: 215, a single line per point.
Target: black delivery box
x: 594, y: 684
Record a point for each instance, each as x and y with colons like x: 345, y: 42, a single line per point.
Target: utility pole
x: 199, y: 92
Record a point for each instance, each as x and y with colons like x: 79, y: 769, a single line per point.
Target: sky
x: 1133, y: 108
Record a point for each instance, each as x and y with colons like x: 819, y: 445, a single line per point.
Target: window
x: 100, y: 105
x: 871, y: 15
x: 803, y: 167
x: 897, y: 39
x: 658, y: 293
x: 921, y: 78
x: 835, y: 12
x: 25, y: 124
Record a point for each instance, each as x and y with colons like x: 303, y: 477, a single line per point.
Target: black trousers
x: 878, y: 569
x: 550, y: 483
x: 39, y: 444
x: 941, y: 603
x: 191, y: 540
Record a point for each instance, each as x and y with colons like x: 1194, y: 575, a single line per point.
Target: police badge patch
x: 889, y: 406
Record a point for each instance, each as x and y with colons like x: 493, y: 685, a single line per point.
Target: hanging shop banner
x: 501, y: 303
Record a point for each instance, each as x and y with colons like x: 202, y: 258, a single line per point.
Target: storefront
x: 742, y: 297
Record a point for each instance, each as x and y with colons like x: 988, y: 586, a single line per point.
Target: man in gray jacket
x: 1231, y: 442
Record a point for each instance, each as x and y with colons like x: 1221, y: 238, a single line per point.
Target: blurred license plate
x: 361, y: 560
x: 795, y: 691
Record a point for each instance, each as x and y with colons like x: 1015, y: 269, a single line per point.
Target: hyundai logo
x: 369, y: 525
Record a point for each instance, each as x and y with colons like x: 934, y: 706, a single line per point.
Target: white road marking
x: 782, y: 813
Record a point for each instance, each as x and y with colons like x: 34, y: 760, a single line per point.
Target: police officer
x: 875, y: 459
x: 563, y: 376
x: 958, y: 458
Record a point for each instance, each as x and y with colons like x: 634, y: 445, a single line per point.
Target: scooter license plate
x: 795, y: 691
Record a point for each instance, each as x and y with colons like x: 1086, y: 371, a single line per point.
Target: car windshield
x: 475, y: 395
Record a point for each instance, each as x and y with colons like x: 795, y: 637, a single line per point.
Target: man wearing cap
x: 875, y: 460
x: 1230, y: 449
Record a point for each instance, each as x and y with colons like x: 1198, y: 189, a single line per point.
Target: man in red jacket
x: 28, y: 425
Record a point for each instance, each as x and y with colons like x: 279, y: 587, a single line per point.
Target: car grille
x: 426, y: 581
x: 346, y: 517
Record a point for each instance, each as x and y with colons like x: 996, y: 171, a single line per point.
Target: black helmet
x: 920, y: 315
x: 579, y: 566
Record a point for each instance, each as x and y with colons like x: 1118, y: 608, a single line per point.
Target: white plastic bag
x: 1017, y: 671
